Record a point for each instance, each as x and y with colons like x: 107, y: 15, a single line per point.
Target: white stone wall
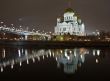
x: 70, y: 25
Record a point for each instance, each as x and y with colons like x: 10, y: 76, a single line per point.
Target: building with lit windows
x: 69, y: 24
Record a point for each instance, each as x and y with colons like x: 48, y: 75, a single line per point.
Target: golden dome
x: 69, y: 10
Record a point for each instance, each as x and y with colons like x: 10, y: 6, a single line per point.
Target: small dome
x: 69, y: 10
x: 79, y: 21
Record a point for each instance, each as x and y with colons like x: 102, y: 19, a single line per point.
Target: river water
x: 32, y: 63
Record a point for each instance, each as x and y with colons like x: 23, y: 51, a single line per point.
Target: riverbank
x: 55, y: 43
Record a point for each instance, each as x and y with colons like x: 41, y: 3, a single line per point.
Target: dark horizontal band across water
x: 55, y: 43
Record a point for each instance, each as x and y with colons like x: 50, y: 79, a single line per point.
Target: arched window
x: 69, y: 17
x: 66, y: 18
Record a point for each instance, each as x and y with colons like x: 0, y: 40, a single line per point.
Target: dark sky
x: 42, y: 14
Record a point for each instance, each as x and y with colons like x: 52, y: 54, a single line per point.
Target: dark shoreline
x: 56, y: 44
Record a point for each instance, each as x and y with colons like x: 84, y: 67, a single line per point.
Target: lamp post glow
x: 1, y: 23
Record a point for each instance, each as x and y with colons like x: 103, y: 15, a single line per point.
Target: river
x: 28, y: 63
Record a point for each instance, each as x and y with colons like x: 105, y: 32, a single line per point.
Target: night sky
x: 42, y: 14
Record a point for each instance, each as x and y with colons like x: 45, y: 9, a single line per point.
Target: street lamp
x: 20, y: 28
x: 33, y: 30
x: 1, y: 23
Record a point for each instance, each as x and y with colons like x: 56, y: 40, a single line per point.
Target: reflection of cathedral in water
x: 71, y: 59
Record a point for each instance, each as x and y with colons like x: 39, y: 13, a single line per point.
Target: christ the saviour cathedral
x: 70, y: 24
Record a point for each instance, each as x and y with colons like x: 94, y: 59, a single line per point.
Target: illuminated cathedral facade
x: 69, y: 24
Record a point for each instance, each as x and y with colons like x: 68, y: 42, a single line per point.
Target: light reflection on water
x: 71, y: 59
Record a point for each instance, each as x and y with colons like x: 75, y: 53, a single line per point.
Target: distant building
x: 69, y: 24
